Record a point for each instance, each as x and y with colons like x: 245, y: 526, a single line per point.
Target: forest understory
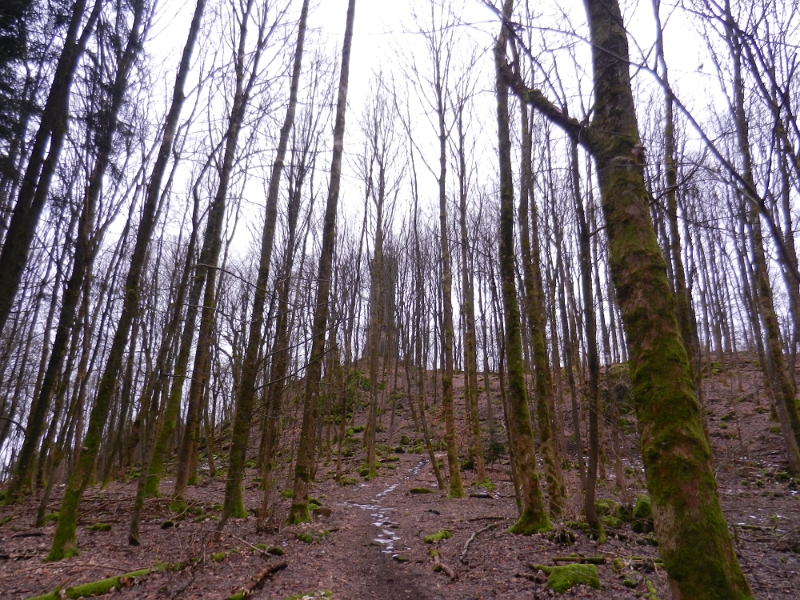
x: 367, y: 538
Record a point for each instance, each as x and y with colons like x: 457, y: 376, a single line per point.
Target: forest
x: 423, y: 299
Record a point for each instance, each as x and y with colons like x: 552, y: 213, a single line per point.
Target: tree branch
x: 574, y: 128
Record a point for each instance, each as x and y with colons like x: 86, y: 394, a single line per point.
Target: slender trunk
x: 246, y: 391
x: 40, y: 169
x: 305, y: 453
x: 534, y: 308
x: 468, y: 311
x: 534, y: 517
x: 698, y: 554
x: 64, y: 542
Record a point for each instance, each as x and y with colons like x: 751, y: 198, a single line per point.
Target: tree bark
x: 534, y: 517
x: 305, y: 453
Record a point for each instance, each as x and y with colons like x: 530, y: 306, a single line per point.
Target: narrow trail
x: 372, y: 537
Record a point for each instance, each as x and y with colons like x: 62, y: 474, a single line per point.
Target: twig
x: 486, y: 519
x: 263, y: 553
x: 438, y: 565
x: 472, y: 538
x: 259, y: 579
x: 585, y: 560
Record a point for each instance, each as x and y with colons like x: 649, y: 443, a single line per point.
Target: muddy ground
x: 370, y: 542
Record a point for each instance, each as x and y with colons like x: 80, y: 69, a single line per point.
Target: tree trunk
x: 698, y: 554
x: 534, y: 516
x: 64, y: 542
x: 305, y: 453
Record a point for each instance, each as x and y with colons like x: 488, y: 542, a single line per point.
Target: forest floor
x: 370, y: 542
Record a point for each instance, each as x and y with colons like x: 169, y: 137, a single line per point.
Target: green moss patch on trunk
x: 97, y: 588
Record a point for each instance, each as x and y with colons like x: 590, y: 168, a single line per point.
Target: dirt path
x: 371, y: 544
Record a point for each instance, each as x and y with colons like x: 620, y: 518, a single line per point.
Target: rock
x: 567, y: 576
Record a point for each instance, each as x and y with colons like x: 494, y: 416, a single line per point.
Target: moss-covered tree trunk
x: 453, y: 465
x: 693, y: 536
x: 162, y: 430
x: 187, y: 457
x: 83, y: 254
x: 64, y: 542
x: 247, y: 386
x: 694, y: 541
x: 683, y: 301
x: 305, y: 453
x: 375, y: 327
x: 592, y: 361
x: 44, y: 156
x: 468, y: 305
x: 534, y: 307
x: 534, y: 516
x: 782, y: 382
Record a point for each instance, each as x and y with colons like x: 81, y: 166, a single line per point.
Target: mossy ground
x: 565, y: 577
x: 444, y: 534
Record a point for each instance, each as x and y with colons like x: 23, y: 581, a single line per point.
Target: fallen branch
x: 486, y: 519
x: 259, y: 580
x: 438, y: 565
x: 259, y: 550
x: 584, y: 560
x: 472, y: 538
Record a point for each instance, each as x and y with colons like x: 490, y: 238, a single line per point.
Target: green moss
x: 565, y: 577
x: 487, y: 485
x: 643, y: 515
x: 651, y: 593
x: 275, y: 550
x: 298, y: 513
x: 605, y: 507
x: 167, y: 524
x: 611, y: 521
x: 49, y: 596
x: 104, y: 586
x: 99, y: 527
x: 237, y: 596
x: 8, y: 519
x: 287, y: 493
x: 630, y: 581
x: 311, y: 595
x: 305, y: 537
x: 347, y: 481
x: 617, y: 565
x: 64, y: 542
x: 530, y: 522
x: 420, y: 490
x: 219, y: 556
x: 444, y: 534
x: 177, y: 506
x: 314, y: 503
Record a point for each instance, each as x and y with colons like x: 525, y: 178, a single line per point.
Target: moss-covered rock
x: 612, y: 522
x: 99, y: 527
x: 643, y: 515
x: 605, y: 507
x: 420, y: 490
x: 617, y: 565
x: 444, y: 534
x: 567, y: 576
x: 305, y: 537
